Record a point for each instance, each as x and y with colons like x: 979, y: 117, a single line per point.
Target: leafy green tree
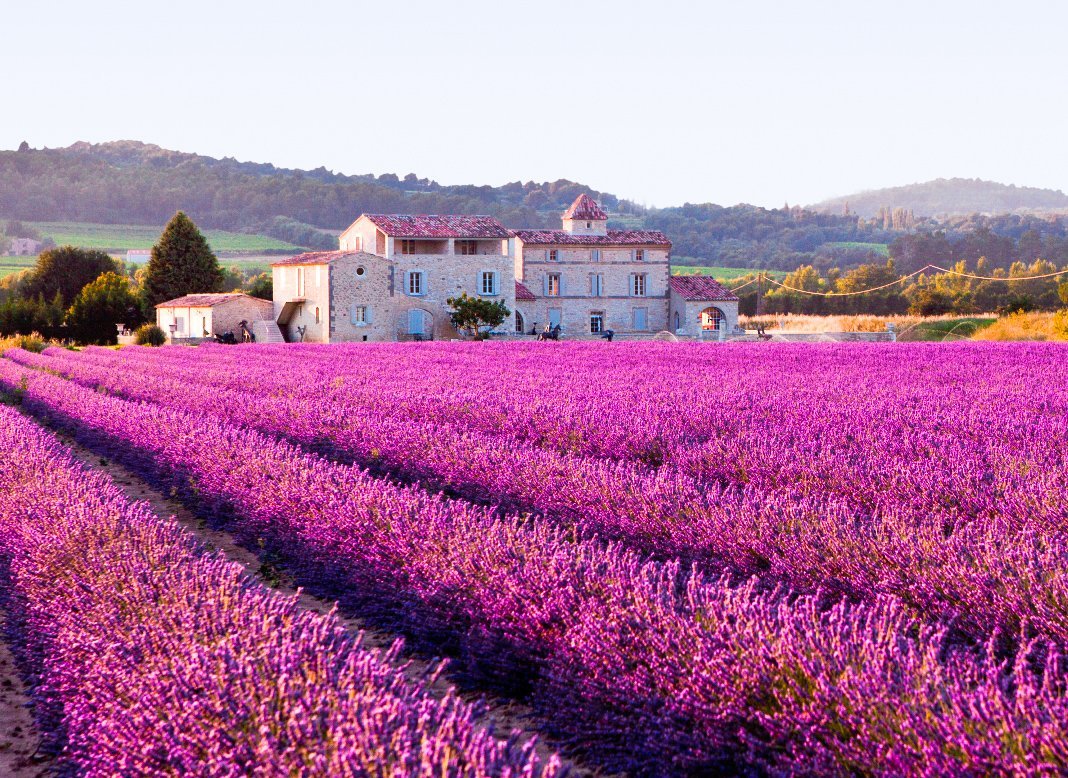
x: 181, y: 263
x: 930, y: 302
x: 100, y: 306
x: 261, y: 286
x: 473, y: 314
x: 64, y: 271
x: 27, y: 315
x: 1062, y: 292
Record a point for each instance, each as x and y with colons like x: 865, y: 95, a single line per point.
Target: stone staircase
x: 267, y: 332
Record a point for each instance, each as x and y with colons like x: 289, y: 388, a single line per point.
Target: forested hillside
x: 947, y: 197
x: 128, y: 182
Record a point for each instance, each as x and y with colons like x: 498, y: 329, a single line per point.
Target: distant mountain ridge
x: 948, y: 197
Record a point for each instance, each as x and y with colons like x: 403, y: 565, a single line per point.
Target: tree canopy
x: 181, y: 263
x: 471, y: 315
x: 64, y: 271
x: 101, y: 305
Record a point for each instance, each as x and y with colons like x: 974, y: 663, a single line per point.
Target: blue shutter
x: 545, y: 285
x: 496, y: 282
x: 352, y: 314
x: 367, y: 314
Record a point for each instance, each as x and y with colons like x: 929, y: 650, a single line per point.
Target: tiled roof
x: 701, y: 288
x: 522, y: 293
x: 316, y: 258
x: 428, y: 226
x: 207, y: 300
x: 613, y: 238
x: 585, y: 207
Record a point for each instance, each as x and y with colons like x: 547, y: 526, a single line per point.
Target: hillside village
x: 392, y: 276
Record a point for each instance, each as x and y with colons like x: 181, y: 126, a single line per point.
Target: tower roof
x: 585, y: 208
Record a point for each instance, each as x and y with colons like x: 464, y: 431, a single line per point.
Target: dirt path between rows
x: 503, y: 715
x: 19, y: 738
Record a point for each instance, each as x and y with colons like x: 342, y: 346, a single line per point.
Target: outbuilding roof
x: 434, y: 226
x: 522, y: 293
x: 701, y: 288
x: 317, y: 257
x: 585, y: 207
x: 208, y: 300
x: 613, y: 238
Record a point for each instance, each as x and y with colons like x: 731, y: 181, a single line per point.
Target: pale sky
x: 663, y: 102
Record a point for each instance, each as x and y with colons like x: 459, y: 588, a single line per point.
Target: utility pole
x: 760, y: 293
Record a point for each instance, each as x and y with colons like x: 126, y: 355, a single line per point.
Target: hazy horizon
x: 764, y: 104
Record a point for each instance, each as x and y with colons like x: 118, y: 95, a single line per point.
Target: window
x: 489, y: 283
x: 597, y: 321
x: 317, y: 314
x: 408, y: 247
x: 359, y: 315
x: 466, y: 247
x: 641, y: 319
x: 415, y: 282
x: 520, y: 325
x: 553, y: 255
x: 639, y: 255
x: 596, y: 285
x: 637, y: 285
x: 360, y: 270
x: 595, y: 255
x: 553, y: 286
x: 300, y: 282
x: 589, y: 225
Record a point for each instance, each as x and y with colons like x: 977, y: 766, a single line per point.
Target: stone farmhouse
x: 393, y: 274
x: 24, y: 247
x: 197, y: 317
x: 588, y: 279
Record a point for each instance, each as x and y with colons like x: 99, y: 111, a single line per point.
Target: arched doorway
x: 520, y: 323
x: 712, y: 319
x: 420, y: 324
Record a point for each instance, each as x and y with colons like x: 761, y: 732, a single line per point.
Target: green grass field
x: 9, y: 265
x: 719, y: 273
x: 123, y: 237
x: 939, y: 330
x: 882, y: 249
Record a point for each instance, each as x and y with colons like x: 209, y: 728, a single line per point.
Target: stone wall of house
x: 227, y: 316
x: 688, y: 313
x: 576, y: 301
x: 366, y: 281
x: 447, y: 276
x: 191, y: 321
x: 363, y: 235
x: 310, y: 282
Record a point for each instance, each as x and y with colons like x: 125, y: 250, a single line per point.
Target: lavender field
x: 683, y: 559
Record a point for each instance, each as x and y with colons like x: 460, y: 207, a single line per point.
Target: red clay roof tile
x: 613, y: 238
x: 701, y: 288
x: 585, y: 207
x: 432, y: 226
x: 207, y: 300
x: 522, y: 293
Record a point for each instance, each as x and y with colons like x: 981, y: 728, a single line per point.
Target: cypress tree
x: 181, y: 263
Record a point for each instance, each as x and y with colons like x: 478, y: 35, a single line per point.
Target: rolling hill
x: 948, y: 197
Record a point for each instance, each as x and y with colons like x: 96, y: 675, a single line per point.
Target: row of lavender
x: 649, y: 668
x: 996, y: 561
x: 149, y: 657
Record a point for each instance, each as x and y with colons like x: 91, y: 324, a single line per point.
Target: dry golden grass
x: 1028, y: 326
x: 789, y: 322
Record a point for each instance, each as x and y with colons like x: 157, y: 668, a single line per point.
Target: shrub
x: 33, y: 342
x: 149, y: 335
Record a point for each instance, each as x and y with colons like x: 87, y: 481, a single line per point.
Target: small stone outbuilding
x: 197, y: 317
x: 701, y: 307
